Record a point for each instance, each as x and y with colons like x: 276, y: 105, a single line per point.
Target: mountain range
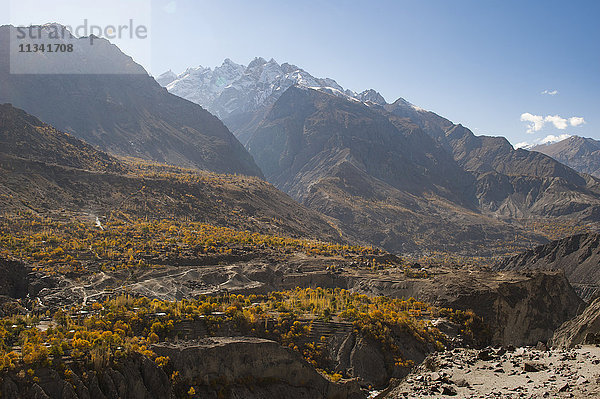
x: 385, y: 174
x: 124, y: 112
x: 240, y: 95
x: 393, y: 175
x: 580, y: 153
x: 383, y: 179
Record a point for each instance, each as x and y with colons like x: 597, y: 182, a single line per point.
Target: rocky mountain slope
x: 509, y: 183
x: 578, y: 256
x: 291, y: 141
x: 580, y: 153
x: 583, y: 329
x: 24, y: 136
x: 49, y: 172
x: 119, y: 108
x: 384, y: 174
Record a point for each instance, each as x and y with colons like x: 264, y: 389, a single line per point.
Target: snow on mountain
x: 166, y: 78
x: 372, y: 96
x: 232, y: 90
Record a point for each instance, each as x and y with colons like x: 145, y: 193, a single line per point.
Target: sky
x: 526, y: 70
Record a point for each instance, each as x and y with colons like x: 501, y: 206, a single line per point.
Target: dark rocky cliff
x: 583, y: 329
x: 578, y: 256
x: 223, y: 367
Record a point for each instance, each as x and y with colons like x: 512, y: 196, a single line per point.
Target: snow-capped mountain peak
x: 372, y: 96
x: 232, y: 88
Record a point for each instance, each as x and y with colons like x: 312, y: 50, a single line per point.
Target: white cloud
x: 576, y: 121
x: 550, y: 92
x: 546, y: 140
x: 554, y: 139
x: 557, y: 121
x: 522, y: 144
x: 536, y: 122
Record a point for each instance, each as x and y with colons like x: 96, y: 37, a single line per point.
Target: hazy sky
x: 521, y: 69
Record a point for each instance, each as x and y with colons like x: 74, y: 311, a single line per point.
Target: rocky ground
x: 504, y: 373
